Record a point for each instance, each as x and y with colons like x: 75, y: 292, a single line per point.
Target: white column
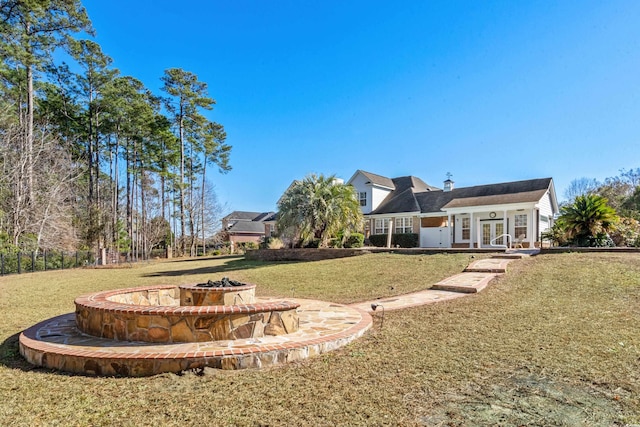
x: 532, y: 227
x: 505, y: 230
x: 472, y: 230
x: 390, y: 232
x: 450, y: 225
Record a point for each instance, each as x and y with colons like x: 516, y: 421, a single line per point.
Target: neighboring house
x: 245, y: 226
x: 457, y: 217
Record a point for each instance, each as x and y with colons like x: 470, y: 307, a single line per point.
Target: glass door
x: 491, y: 230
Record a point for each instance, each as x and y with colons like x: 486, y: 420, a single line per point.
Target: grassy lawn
x: 555, y: 341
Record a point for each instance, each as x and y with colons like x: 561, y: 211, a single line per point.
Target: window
x: 272, y: 229
x: 404, y: 225
x: 362, y: 196
x: 382, y: 226
x: 466, y: 228
x: 520, y: 230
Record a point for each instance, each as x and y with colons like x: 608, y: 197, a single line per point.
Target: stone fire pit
x: 167, y: 328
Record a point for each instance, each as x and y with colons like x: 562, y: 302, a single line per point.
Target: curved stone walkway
x: 474, y: 279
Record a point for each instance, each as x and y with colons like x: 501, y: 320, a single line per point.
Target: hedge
x: 404, y: 240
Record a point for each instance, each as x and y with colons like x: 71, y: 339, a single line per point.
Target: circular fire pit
x: 157, y: 314
x: 153, y: 329
x: 224, y: 292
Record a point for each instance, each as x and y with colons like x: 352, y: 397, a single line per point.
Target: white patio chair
x: 517, y: 242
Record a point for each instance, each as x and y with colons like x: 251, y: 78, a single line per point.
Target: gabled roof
x: 530, y: 190
x: 247, y: 222
x: 243, y: 216
x: 497, y: 199
x: 418, y: 185
x: 403, y: 201
x: 431, y: 201
x: 247, y: 227
x: 272, y: 217
x: 378, y: 180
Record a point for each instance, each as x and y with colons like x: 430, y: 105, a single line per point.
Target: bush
x: 335, y: 243
x: 355, y: 240
x: 379, y: 240
x: 627, y: 232
x: 275, y: 243
x: 242, y: 247
x: 405, y: 240
x: 315, y: 243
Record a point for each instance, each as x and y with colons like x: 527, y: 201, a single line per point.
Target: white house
x: 510, y: 213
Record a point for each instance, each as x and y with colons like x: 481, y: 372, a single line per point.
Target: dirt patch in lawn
x: 527, y: 399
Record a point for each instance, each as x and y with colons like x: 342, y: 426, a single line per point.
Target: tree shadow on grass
x: 234, y: 264
x: 11, y: 358
x: 10, y: 354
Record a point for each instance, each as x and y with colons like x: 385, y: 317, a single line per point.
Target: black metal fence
x: 21, y: 262
x: 27, y: 262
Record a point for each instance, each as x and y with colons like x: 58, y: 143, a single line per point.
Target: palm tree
x: 318, y: 207
x: 588, y: 220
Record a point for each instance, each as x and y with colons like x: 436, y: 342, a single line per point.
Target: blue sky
x: 490, y: 91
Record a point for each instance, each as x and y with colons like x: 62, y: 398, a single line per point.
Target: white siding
x: 378, y: 195
x: 359, y: 183
x: 546, y: 210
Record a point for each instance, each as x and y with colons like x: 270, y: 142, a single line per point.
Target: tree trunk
x: 29, y: 136
x: 183, y: 245
x: 129, y: 203
x: 204, y: 172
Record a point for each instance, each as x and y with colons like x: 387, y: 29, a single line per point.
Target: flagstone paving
x: 475, y: 278
x: 57, y: 343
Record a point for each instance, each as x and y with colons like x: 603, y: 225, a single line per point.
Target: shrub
x: 275, y: 243
x: 315, y: 243
x: 404, y: 240
x: 335, y: 243
x: 379, y: 240
x: 627, y: 232
x: 355, y: 240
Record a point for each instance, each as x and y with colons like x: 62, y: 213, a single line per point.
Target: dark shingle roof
x: 247, y: 227
x: 414, y: 182
x: 380, y: 180
x: 435, y: 200
x: 243, y: 216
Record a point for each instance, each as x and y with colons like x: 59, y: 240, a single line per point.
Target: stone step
x: 508, y: 255
x: 468, y: 283
x: 488, y: 265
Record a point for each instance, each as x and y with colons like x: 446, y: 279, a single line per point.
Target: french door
x: 491, y: 230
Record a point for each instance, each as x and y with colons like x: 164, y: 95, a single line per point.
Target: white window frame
x: 520, y: 225
x: 466, y: 226
x: 381, y: 226
x: 362, y: 198
x: 404, y: 225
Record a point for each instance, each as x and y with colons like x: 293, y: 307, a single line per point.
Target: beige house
x: 493, y: 215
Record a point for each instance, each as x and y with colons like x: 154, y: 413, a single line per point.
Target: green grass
x: 555, y: 341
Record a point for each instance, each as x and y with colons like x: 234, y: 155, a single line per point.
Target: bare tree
x: 45, y: 219
x: 580, y: 187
